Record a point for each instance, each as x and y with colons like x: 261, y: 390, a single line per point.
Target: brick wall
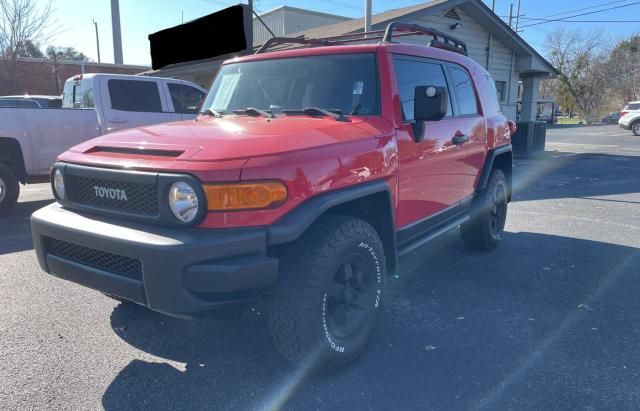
x: 36, y: 76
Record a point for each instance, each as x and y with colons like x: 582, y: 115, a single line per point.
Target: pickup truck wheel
x: 331, y: 282
x: 484, y: 231
x: 9, y: 189
x: 635, y: 128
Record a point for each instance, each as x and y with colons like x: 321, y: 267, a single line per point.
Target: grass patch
x: 567, y: 120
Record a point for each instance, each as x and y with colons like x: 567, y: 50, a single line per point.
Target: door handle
x: 459, y: 139
x: 117, y: 120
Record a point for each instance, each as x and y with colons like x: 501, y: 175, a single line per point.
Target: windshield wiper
x: 251, y: 110
x: 335, y: 114
x: 212, y: 112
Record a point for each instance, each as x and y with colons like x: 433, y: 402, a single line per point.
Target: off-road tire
x: 299, y: 316
x: 484, y: 230
x: 635, y: 128
x: 9, y: 189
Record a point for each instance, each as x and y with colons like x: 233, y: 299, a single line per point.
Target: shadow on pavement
x: 574, y: 175
x: 575, y: 125
x: 535, y: 324
x: 15, y: 229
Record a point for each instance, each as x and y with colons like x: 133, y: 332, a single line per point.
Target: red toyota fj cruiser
x: 308, y: 173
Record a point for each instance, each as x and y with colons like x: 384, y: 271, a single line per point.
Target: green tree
x: 66, y: 53
x: 30, y: 49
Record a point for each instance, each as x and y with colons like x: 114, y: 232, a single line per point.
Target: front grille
x: 141, y: 198
x: 101, y: 260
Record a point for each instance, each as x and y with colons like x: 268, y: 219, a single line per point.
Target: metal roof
x: 305, y: 11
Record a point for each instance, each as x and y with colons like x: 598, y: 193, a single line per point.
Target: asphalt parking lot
x: 551, y: 319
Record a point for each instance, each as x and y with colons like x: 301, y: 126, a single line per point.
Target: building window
x: 501, y: 88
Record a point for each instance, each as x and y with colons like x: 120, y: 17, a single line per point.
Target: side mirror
x: 430, y: 104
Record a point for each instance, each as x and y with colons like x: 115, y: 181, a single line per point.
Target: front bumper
x: 176, y: 271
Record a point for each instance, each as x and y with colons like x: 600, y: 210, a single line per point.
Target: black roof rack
x: 440, y: 40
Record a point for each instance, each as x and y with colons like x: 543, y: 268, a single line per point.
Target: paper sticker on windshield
x: 227, y: 87
x: 358, y: 87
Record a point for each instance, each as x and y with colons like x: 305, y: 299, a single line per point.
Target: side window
x: 27, y: 104
x: 186, y: 99
x: 411, y: 73
x: 463, y: 89
x: 135, y: 95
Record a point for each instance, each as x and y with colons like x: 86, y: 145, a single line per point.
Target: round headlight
x: 58, y: 183
x: 183, y: 200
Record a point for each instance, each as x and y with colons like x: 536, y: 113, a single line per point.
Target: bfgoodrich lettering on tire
x: 331, y: 284
x: 484, y: 230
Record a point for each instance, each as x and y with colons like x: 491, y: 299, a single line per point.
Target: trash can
x: 530, y: 137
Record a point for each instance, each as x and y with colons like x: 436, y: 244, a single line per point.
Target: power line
x: 588, y: 21
x: 582, y: 14
x: 581, y: 9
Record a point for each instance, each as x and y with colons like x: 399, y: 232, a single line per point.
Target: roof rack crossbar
x: 291, y: 40
x: 440, y: 40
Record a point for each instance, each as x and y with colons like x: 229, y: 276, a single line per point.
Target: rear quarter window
x: 632, y: 106
x: 78, y: 94
x: 463, y: 88
x: 492, y: 91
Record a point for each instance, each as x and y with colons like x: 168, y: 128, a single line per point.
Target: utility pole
x: 95, y: 23
x: 115, y: 28
x: 493, y: 6
x: 518, y: 16
x: 248, y: 31
x: 510, y: 15
x: 367, y: 15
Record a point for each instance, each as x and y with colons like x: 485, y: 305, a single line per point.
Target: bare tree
x: 21, y: 22
x: 549, y: 89
x: 582, y: 67
x: 624, y: 70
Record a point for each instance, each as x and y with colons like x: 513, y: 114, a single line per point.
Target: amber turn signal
x: 244, y: 196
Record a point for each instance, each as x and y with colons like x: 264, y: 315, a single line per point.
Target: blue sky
x: 141, y: 17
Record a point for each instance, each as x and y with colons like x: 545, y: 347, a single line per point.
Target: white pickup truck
x: 92, y: 105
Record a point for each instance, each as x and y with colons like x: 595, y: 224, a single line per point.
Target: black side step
x: 436, y: 232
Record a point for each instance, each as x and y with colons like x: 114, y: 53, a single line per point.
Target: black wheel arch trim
x: 488, y: 165
x: 293, y: 224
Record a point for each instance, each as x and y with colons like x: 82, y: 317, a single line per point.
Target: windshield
x: 347, y: 83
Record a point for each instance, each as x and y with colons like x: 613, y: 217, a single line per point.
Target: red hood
x: 234, y: 137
